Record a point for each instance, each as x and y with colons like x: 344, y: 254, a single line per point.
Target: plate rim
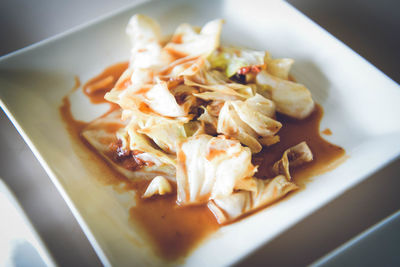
x: 92, y: 239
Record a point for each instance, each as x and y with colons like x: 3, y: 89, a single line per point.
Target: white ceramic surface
x: 20, y: 245
x: 360, y: 108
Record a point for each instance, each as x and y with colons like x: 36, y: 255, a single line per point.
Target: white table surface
x: 370, y: 27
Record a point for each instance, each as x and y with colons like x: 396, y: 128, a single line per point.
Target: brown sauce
x: 174, y: 231
x: 96, y: 87
x: 327, y: 131
x: 326, y: 156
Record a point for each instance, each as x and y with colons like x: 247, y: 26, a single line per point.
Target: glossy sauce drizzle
x: 173, y: 230
x: 326, y: 156
x: 98, y: 86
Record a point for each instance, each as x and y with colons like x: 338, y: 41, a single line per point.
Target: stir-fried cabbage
x: 278, y: 67
x: 187, y: 40
x: 145, y: 36
x: 158, y: 186
x: 293, y: 156
x: 198, y: 109
x: 219, y: 87
x: 231, y: 207
x: 232, y: 59
x: 210, y: 167
x: 290, y: 98
x: 248, y: 121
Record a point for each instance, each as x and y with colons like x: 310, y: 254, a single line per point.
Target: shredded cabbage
x: 199, y: 108
x: 232, y: 59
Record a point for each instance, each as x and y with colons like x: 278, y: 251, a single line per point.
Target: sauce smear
x: 174, y: 231
x: 98, y: 86
x: 326, y: 156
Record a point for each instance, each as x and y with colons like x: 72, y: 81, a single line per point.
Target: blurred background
x: 369, y: 27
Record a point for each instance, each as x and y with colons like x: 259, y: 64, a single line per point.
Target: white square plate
x: 360, y: 103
